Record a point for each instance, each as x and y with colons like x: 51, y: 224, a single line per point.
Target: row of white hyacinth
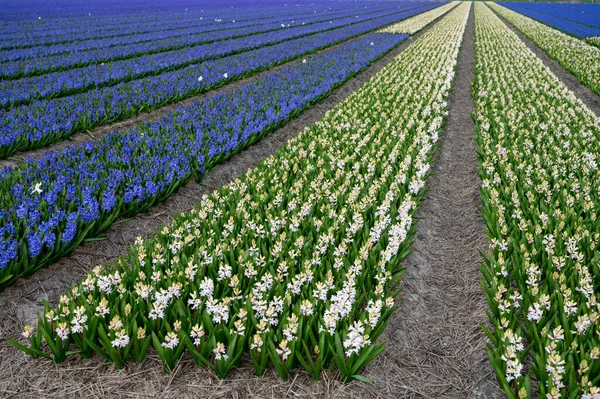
x: 540, y: 150
x: 414, y: 24
x: 297, y: 263
x: 575, y: 55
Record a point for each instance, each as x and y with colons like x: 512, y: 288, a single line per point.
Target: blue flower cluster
x: 58, y: 84
x: 50, y: 205
x: 41, y: 122
x: 54, y: 35
x: 36, y: 14
x: 581, y: 20
x: 19, y: 34
x: 33, y: 59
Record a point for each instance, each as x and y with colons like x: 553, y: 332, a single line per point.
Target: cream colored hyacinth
x: 593, y: 40
x: 540, y: 186
x: 416, y: 23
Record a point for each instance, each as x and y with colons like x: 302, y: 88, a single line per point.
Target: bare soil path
x: 436, y: 347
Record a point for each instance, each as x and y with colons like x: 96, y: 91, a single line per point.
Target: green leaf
x: 363, y: 379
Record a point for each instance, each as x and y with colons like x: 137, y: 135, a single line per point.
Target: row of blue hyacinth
x: 581, y: 20
x: 46, y: 32
x: 36, y: 60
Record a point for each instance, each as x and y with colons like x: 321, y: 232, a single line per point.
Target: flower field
x: 418, y: 218
x: 54, y: 203
x: 42, y: 122
x: 217, y: 284
x: 579, y: 20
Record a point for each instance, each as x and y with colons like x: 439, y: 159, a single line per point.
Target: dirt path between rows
x: 436, y: 347
x: 591, y: 100
x: 21, y: 377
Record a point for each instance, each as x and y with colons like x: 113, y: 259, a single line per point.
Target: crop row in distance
x: 573, y: 54
x: 39, y: 123
x: 78, y: 80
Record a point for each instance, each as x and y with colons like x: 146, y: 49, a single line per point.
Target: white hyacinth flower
x: 171, y: 341
x: 36, y: 189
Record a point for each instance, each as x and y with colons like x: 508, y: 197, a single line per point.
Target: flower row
x: 418, y: 22
x: 41, y: 122
x: 51, y: 36
x: 36, y: 61
x: 539, y: 150
x: 561, y: 16
x: 575, y: 55
x: 85, y: 28
x: 296, y: 263
x: 59, y: 84
x: 49, y: 206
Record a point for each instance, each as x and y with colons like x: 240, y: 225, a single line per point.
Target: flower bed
x: 575, y: 55
x: 42, y: 122
x: 298, y: 262
x: 60, y: 84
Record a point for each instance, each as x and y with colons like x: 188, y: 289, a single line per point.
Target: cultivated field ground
x: 316, y: 199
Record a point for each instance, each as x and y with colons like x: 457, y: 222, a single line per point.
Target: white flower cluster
x: 414, y: 24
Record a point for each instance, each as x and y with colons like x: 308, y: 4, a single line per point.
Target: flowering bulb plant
x: 78, y: 80
x: 42, y: 122
x: 51, y: 205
